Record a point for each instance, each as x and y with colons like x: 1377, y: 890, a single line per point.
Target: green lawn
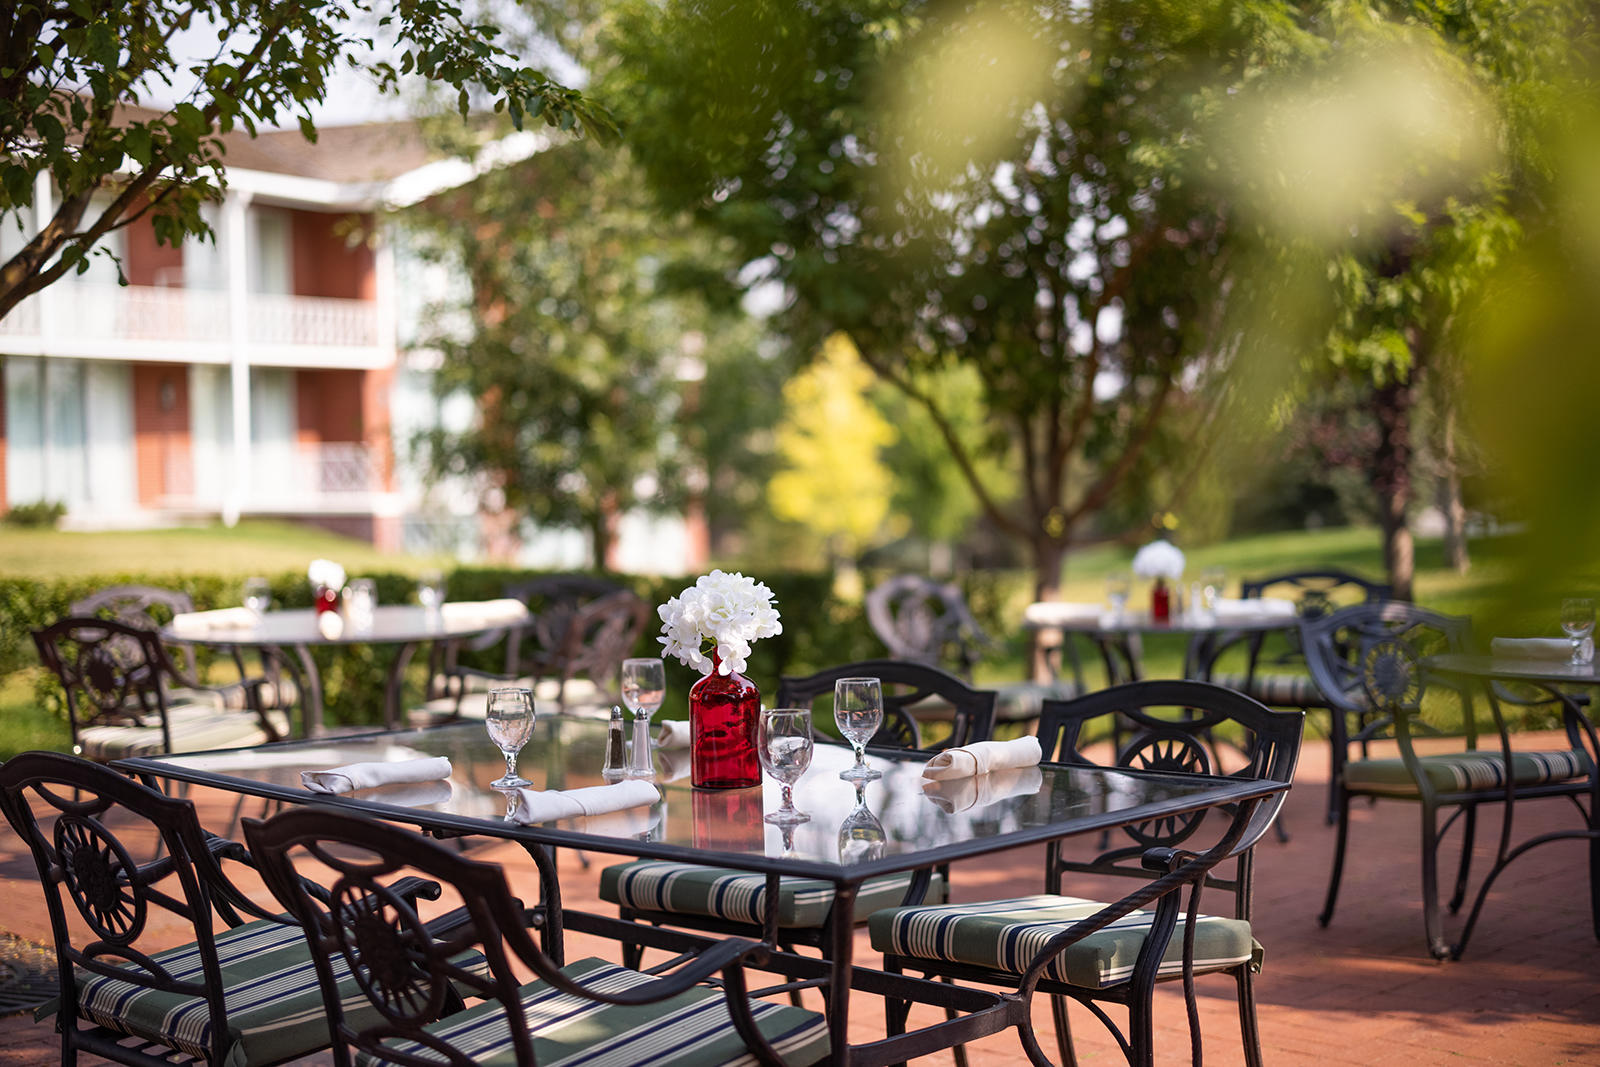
x: 255, y: 547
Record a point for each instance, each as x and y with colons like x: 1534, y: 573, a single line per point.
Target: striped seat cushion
x: 1460, y: 772
x: 1276, y: 690
x: 194, y: 728
x: 1006, y: 934
x: 691, y: 1028
x: 739, y: 896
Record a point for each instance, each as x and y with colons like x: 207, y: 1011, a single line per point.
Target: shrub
x: 41, y: 514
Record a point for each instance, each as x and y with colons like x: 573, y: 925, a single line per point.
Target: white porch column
x: 236, y: 251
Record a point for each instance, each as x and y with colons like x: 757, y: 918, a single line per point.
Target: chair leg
x: 1594, y: 868
x: 1248, y: 1029
x: 1432, y: 926
x: 1141, y: 1028
x: 632, y: 955
x: 1058, y: 1014
x: 1341, y: 834
x: 1469, y: 828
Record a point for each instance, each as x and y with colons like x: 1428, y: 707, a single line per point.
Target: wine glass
x: 1117, y: 587
x: 784, y: 744
x: 430, y: 589
x: 861, y: 835
x: 644, y: 686
x: 510, y: 723
x: 257, y: 595
x: 858, y: 712
x: 1577, y: 619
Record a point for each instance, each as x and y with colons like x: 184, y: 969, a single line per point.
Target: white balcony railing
x: 97, y: 314
x: 284, y: 476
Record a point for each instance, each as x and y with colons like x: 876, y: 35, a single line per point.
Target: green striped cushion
x: 274, y: 1002
x: 1276, y: 690
x: 1459, y: 772
x: 194, y: 729
x: 691, y: 1028
x: 1006, y: 934
x: 739, y: 896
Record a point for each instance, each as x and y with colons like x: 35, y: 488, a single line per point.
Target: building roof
x: 370, y: 152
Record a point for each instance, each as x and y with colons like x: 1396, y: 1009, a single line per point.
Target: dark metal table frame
x: 404, y: 625
x: 1554, y: 679
x: 988, y: 1012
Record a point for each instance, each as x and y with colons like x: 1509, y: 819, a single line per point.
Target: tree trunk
x: 1048, y: 555
x: 1391, y: 478
x: 1455, y: 513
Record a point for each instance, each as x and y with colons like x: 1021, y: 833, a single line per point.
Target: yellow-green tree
x: 830, y: 442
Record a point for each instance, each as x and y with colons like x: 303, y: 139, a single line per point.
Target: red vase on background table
x: 326, y: 599
x: 1160, y: 602
x: 723, y: 710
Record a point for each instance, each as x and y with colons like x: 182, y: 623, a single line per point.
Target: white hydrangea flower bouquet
x: 1159, y: 559
x: 723, y: 613
x: 326, y: 574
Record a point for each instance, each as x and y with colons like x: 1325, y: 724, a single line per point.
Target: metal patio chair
x: 1163, y: 726
x: 585, y: 1011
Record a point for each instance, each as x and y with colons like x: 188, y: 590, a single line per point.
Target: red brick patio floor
x: 1364, y: 991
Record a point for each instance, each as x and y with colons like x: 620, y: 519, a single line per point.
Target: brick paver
x: 1364, y: 991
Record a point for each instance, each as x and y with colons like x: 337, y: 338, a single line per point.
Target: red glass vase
x: 326, y: 599
x: 723, y: 710
x: 1160, y: 602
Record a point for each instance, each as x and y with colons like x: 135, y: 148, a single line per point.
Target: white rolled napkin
x: 960, y: 794
x: 355, y: 776
x: 1542, y: 648
x: 1061, y: 613
x: 672, y: 733
x: 1255, y: 609
x: 201, y: 623
x: 504, y: 612
x: 985, y: 757
x: 534, y: 805
x: 410, y: 794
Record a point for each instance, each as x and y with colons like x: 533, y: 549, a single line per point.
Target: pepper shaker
x: 615, y: 767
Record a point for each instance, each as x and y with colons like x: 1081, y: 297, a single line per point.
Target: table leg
x: 313, y: 691
x: 395, y: 682
x: 841, y: 952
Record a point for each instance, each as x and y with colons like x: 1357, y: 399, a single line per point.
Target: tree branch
x: 1099, y: 493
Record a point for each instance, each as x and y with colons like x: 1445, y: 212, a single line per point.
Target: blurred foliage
x: 833, y: 480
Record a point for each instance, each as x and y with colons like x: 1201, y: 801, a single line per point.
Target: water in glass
x: 644, y: 687
x: 784, y: 746
x: 257, y: 595
x: 1577, y: 620
x: 430, y: 589
x: 509, y: 722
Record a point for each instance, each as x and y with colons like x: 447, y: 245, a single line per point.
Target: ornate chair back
x: 908, y: 688
x: 111, y: 673
x: 1177, y: 727
x: 1315, y: 592
x: 82, y: 822
x: 147, y: 607
x: 924, y: 621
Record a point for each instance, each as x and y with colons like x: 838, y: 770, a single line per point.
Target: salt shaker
x: 615, y: 767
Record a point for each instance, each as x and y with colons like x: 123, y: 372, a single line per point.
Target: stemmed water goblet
x: 784, y: 745
x: 509, y: 721
x: 644, y: 687
x: 1117, y: 587
x: 430, y: 590
x: 257, y: 595
x: 1577, y: 619
x: 858, y: 712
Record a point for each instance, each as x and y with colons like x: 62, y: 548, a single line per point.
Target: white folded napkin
x: 1544, y: 648
x: 1060, y: 613
x: 985, y: 757
x: 960, y: 794
x: 672, y: 764
x: 503, y: 612
x: 201, y: 623
x: 672, y: 733
x: 1255, y: 609
x: 366, y: 775
x: 533, y: 805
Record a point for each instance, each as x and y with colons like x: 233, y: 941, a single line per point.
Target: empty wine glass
x: 644, y: 686
x: 1577, y: 619
x: 510, y: 723
x: 858, y: 712
x: 257, y: 595
x: 784, y: 744
x: 1117, y: 587
x: 430, y: 589
x: 861, y: 835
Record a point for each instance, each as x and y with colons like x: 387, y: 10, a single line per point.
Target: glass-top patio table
x: 724, y: 828
x: 1117, y: 637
